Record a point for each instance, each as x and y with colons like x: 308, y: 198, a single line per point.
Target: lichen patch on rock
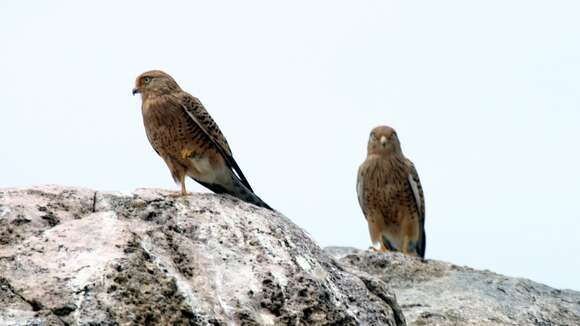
x: 73, y: 256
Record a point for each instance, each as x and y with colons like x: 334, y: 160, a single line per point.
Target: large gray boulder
x: 73, y: 256
x: 439, y: 293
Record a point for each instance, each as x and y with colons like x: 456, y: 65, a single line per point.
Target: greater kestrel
x: 185, y: 136
x: 391, y: 196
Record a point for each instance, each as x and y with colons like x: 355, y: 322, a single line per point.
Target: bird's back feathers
x: 201, y: 117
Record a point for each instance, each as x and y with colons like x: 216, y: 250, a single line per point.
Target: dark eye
x: 372, y: 135
x: 146, y: 80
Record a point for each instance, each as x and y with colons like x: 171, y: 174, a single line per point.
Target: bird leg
x: 406, y: 244
x: 182, y: 192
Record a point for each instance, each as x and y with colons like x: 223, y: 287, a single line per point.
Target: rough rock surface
x: 73, y: 256
x: 439, y: 293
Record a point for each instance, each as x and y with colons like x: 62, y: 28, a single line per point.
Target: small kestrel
x: 390, y: 195
x: 183, y: 133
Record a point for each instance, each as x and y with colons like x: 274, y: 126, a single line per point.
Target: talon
x: 384, y: 248
x: 179, y: 194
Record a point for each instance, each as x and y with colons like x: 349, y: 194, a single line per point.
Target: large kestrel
x: 185, y: 136
x: 390, y: 195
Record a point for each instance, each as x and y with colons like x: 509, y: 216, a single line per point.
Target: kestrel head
x: 383, y: 141
x: 155, y: 82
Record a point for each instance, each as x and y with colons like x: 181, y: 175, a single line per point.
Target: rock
x: 73, y: 256
x: 439, y: 293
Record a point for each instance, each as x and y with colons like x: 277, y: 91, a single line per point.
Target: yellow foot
x: 186, y: 153
x: 179, y: 194
x: 383, y: 248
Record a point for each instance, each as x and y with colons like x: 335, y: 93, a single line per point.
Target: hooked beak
x: 383, y: 141
x: 135, y: 91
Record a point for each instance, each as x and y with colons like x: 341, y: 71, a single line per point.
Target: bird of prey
x: 390, y: 195
x: 183, y: 133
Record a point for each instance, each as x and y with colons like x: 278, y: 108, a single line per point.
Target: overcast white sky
x: 485, y: 98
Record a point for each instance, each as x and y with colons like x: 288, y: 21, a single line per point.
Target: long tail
x: 242, y: 192
x: 238, y: 190
x: 421, y: 246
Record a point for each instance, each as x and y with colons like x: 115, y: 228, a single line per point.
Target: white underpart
x: 206, y: 173
x: 202, y: 165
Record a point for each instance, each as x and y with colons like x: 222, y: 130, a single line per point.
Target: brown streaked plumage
x: 391, y: 196
x: 183, y: 133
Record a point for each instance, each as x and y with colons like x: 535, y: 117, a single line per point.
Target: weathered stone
x: 79, y: 257
x: 437, y: 293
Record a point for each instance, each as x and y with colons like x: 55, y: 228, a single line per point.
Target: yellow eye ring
x: 146, y: 80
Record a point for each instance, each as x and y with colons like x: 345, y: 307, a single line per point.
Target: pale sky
x: 484, y: 97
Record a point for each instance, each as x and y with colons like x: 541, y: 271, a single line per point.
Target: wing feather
x: 360, y: 189
x: 201, y: 117
x: 415, y: 185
